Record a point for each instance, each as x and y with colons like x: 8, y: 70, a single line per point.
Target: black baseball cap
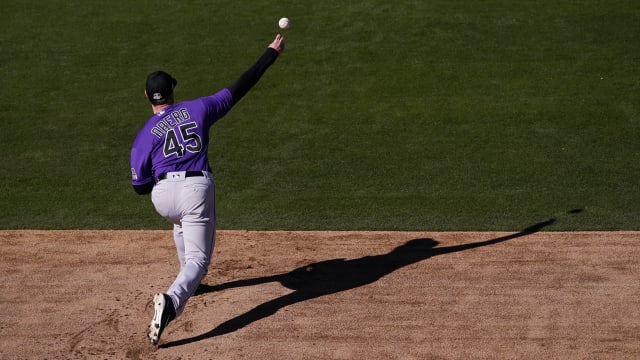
x: 160, y: 87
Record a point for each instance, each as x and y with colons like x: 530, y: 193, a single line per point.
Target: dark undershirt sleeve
x: 251, y: 76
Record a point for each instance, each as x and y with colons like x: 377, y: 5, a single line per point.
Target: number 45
x: 173, y: 145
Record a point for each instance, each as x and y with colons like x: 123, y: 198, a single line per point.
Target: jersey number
x: 173, y: 145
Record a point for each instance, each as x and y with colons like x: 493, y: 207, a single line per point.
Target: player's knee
x: 202, y: 264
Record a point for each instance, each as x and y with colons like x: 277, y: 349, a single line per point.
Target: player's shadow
x: 333, y: 276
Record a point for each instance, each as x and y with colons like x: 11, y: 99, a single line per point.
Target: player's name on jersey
x: 168, y: 121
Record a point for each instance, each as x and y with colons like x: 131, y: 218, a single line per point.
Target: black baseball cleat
x: 163, y: 313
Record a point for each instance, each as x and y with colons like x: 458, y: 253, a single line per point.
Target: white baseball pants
x: 188, y: 203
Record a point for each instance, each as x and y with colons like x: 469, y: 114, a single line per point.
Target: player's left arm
x: 141, y: 175
x: 143, y: 189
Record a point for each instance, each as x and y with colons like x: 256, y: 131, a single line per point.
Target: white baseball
x: 283, y: 23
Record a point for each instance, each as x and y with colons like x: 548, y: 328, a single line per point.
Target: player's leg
x: 197, y: 260
x: 198, y: 231
x: 178, y: 238
x: 162, y: 197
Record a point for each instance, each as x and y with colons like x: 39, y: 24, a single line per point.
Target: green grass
x: 409, y: 115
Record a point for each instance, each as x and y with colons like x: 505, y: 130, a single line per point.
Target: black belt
x: 186, y: 174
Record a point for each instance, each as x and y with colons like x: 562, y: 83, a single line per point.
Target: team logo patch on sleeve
x: 134, y: 176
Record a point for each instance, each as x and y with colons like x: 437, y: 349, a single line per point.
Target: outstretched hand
x: 278, y: 44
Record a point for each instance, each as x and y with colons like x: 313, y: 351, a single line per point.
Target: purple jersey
x: 177, y: 138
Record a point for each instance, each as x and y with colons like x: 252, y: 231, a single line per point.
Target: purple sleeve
x: 141, y: 171
x: 217, y: 105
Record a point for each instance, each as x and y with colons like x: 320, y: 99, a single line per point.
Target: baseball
x: 283, y: 23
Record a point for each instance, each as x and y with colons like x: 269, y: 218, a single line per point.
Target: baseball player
x: 169, y: 160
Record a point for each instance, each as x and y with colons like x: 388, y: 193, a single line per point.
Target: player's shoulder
x: 222, y: 95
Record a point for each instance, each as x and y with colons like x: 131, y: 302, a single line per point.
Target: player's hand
x: 278, y: 44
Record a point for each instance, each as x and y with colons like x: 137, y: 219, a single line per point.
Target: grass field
x: 407, y: 115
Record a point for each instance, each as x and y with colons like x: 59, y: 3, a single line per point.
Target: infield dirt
x: 326, y: 295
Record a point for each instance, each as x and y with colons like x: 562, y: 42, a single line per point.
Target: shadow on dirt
x: 336, y: 275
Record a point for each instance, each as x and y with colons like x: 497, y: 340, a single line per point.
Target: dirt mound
x: 326, y: 295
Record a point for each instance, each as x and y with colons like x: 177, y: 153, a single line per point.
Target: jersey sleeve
x: 217, y: 105
x: 141, y: 170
